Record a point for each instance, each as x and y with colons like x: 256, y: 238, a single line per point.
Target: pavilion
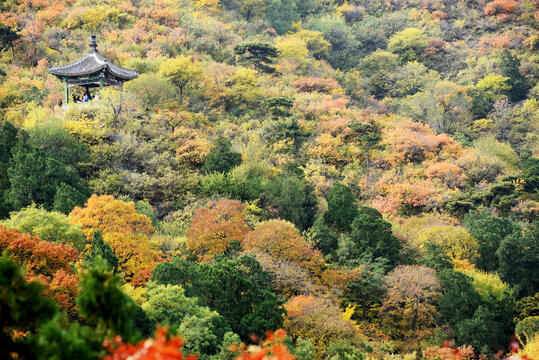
x: 91, y: 71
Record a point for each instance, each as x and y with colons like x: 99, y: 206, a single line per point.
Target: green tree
x: 379, y: 69
x: 100, y: 249
x: 282, y: 14
x: 48, y: 226
x: 366, y: 287
x: 8, y: 139
x: 342, y: 209
x: 489, y: 231
x: 510, y: 68
x: 8, y: 38
x: 518, y: 256
x: 324, y: 239
x: 102, y: 302
x: 486, y: 92
x: 408, y: 44
x: 369, y: 136
x: 221, y: 158
x: 182, y: 71
x: 259, y: 54
x: 372, y: 237
x: 22, y: 308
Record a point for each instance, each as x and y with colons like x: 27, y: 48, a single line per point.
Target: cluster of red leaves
x: 162, y: 347
x: 273, y: 349
x: 446, y: 352
x: 45, y: 261
x: 500, y: 8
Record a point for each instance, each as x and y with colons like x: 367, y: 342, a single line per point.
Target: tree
x: 221, y: 158
x: 455, y: 241
x: 48, y: 226
x: 182, y: 71
x: 168, y: 305
x: 369, y: 136
x: 282, y: 14
x: 215, y: 227
x: 8, y: 38
x: 372, y: 237
x: 259, y: 54
x: 379, y: 68
x: 35, y: 177
x: 518, y: 257
x: 318, y: 320
x: 102, y: 302
x: 133, y: 253
x: 295, y: 199
x: 250, y: 8
x: 489, y: 231
x: 99, y: 248
x: 342, y: 209
x: 366, y: 287
x: 510, y: 68
x: 408, y: 44
x: 486, y: 92
x: 8, y: 140
x: 324, y: 239
x: 282, y: 241
x: 23, y: 308
x: 410, y: 301
x: 240, y: 281
x: 108, y: 215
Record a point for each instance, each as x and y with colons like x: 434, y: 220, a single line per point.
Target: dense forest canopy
x: 285, y: 179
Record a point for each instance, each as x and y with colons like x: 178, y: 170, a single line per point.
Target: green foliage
x: 343, y: 350
x: 324, y: 239
x: 295, y: 199
x: 100, y: 249
x: 238, y: 281
x: 58, y: 340
x: 8, y: 37
x: 304, y: 350
x: 489, y: 231
x: 342, y: 209
x: 259, y: 54
x: 518, y: 259
x: 527, y: 328
x: 366, y: 288
x: 8, y: 140
x: 372, y: 237
x: 281, y: 14
x: 221, y: 158
x: 435, y: 258
x: 48, y: 226
x: 510, y: 68
x: 408, y: 44
x: 22, y: 308
x: 35, y: 177
x: 102, y: 302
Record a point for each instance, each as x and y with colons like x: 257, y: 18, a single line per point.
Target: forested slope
x: 363, y: 174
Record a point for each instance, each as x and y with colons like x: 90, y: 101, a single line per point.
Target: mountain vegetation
x: 285, y: 179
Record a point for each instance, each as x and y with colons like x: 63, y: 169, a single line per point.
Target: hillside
x: 362, y: 174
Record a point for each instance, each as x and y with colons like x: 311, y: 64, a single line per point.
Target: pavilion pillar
x: 101, y: 81
x: 66, y: 92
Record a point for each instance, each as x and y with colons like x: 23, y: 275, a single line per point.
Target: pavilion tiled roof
x: 91, y: 63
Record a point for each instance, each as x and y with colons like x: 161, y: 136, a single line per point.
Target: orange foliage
x: 104, y: 213
x: 193, y: 147
x: 213, y: 229
x: 447, y: 172
x: 282, y: 241
x: 410, y: 141
x: 162, y: 347
x: 46, y: 261
x: 272, y: 349
x: 500, y: 8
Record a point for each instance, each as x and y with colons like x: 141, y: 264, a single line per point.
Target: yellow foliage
x: 454, y: 240
x: 88, y: 129
x: 488, y: 285
x: 138, y: 294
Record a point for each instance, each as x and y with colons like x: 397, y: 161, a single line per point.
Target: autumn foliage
x: 108, y: 215
x: 215, y: 227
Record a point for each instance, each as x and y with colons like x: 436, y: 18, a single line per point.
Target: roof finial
x: 93, y: 44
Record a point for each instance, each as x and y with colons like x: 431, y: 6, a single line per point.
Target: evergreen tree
x: 341, y: 207
x: 221, y: 158
x: 510, y: 67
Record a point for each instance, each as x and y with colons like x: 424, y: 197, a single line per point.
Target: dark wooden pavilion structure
x: 91, y: 71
